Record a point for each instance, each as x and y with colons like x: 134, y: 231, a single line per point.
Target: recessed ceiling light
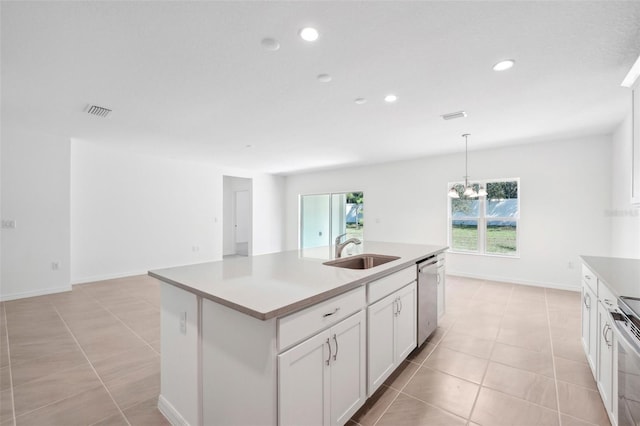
x: 360, y: 101
x: 504, y: 65
x: 270, y: 43
x: 324, y: 78
x: 452, y: 115
x: 390, y: 98
x: 309, y: 34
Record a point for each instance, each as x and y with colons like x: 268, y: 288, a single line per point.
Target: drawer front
x: 300, y: 325
x: 387, y: 285
x: 606, y: 296
x: 589, y: 278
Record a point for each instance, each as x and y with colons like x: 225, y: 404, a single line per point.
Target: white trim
x: 96, y: 278
x: 556, y: 286
x: 632, y: 75
x: 33, y: 293
x: 170, y: 413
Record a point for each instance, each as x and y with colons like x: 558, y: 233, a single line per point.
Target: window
x: 489, y: 224
x: 325, y: 216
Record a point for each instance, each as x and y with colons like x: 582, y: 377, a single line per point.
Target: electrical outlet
x: 8, y: 224
x: 195, y: 248
x: 183, y: 322
x: 55, y: 266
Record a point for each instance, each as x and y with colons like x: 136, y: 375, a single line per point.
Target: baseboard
x: 33, y: 293
x: 96, y: 278
x: 557, y: 286
x: 170, y: 413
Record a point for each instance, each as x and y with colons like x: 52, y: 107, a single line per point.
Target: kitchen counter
x: 277, y: 284
x: 622, y: 276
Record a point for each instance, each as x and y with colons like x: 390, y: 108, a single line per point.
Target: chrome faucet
x: 341, y: 246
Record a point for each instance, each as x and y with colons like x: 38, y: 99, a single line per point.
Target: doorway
x: 237, y: 216
x: 325, y: 216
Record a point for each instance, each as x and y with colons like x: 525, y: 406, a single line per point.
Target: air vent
x: 99, y: 111
x: 453, y: 115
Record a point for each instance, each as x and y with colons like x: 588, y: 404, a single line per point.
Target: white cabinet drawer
x: 387, y: 285
x: 606, y: 296
x: 589, y: 278
x: 307, y: 322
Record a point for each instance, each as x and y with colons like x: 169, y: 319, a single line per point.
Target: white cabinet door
x: 392, y: 333
x: 605, y: 357
x: 303, y: 387
x: 348, y: 368
x: 406, y: 322
x: 590, y: 326
x: 381, y: 350
x: 322, y: 381
x: 441, y: 291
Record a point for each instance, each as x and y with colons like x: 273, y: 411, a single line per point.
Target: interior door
x: 242, y: 215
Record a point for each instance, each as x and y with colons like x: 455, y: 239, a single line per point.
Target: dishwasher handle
x: 425, y: 265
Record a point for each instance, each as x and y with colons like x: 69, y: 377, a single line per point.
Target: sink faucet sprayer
x: 341, y: 246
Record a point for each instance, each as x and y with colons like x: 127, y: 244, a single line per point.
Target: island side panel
x: 179, y: 389
x: 239, y: 367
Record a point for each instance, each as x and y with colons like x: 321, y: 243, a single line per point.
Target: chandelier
x: 469, y: 190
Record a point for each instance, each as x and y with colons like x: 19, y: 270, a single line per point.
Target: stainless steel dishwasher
x: 427, y: 298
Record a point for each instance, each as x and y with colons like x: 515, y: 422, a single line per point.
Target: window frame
x: 482, y: 220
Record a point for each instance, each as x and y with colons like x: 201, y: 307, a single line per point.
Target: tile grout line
x: 493, y: 345
x: 553, y: 358
x: 123, y: 323
x: 6, y: 330
x: 92, y: 367
x: 410, y: 378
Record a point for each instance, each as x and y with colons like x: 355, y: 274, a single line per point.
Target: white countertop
x: 622, y: 276
x: 274, y: 285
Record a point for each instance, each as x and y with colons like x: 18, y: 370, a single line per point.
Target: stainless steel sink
x: 361, y: 261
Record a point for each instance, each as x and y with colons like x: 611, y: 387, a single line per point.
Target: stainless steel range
x: 627, y: 329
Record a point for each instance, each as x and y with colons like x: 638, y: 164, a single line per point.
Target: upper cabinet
x: 632, y: 81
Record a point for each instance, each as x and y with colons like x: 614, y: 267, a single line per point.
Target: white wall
x: 132, y: 212
x: 564, y: 199
x: 35, y: 193
x: 625, y: 219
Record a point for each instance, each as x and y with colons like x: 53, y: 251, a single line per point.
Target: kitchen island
x: 277, y: 338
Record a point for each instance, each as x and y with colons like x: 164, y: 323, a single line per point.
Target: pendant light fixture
x: 469, y: 192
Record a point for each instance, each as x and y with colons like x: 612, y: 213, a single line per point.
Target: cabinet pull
x: 400, y: 303
x: 331, y: 313
x: 329, y: 345
x: 587, y: 297
x: 607, y: 328
x: 587, y: 277
x: 336, y: 340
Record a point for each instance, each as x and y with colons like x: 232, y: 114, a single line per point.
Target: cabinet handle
x: 331, y: 313
x: 587, y: 277
x: 329, y: 345
x: 608, y: 328
x: 585, y: 298
x: 395, y: 307
x: 400, y: 302
x: 336, y: 340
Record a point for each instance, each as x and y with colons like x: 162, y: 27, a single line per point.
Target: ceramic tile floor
x: 90, y: 356
x: 503, y: 354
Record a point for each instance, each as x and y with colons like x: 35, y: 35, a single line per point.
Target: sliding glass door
x: 325, y: 216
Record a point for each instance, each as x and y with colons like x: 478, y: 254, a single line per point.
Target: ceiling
x: 191, y: 79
